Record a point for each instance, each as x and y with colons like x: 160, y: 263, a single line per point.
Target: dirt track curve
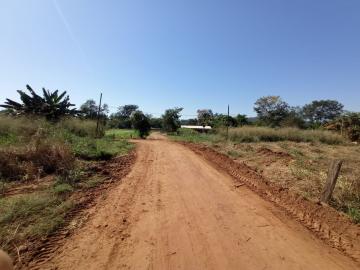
x: 175, y: 211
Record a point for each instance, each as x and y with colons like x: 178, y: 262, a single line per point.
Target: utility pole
x: 227, y: 123
x: 98, y: 117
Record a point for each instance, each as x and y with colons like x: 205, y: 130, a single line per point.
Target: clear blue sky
x: 189, y: 53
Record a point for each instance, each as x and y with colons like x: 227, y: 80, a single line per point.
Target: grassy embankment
x: 296, y: 159
x: 41, y: 166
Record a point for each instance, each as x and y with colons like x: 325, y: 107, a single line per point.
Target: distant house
x: 198, y: 128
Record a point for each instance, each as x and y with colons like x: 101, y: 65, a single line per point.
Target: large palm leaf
x: 52, y: 105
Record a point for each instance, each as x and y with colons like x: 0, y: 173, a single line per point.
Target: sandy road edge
x: 331, y: 226
x: 115, y: 169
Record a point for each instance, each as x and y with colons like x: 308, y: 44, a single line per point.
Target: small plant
x: 354, y: 213
x: 63, y: 189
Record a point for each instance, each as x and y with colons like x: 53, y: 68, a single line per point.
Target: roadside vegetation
x: 46, y: 150
x: 47, y: 146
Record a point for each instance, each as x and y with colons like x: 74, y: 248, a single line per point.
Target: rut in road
x: 176, y: 211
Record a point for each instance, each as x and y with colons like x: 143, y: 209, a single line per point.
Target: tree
x: 155, y: 122
x: 51, y: 105
x: 90, y: 109
x: 294, y: 118
x: 171, y: 119
x: 126, y: 110
x: 141, y: 123
x: 241, y: 120
x: 320, y: 112
x: 122, y: 116
x: 271, y: 110
x: 222, y: 120
x: 205, y: 117
x: 189, y: 122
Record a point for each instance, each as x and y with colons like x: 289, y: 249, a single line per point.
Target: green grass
x: 94, y: 182
x: 30, y: 215
x: 63, y: 189
x: 99, y: 149
x: 122, y: 133
x: 190, y: 135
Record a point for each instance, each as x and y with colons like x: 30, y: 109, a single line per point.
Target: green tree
x: 241, y: 120
x: 205, y: 117
x: 90, y: 109
x: 294, y: 118
x: 222, y: 120
x: 155, y: 122
x: 320, y: 112
x: 122, y: 116
x: 271, y: 110
x: 51, y: 105
x: 126, y: 110
x: 141, y: 123
x: 171, y: 119
x: 190, y: 122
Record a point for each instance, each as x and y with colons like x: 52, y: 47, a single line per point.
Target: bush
x: 36, y: 159
x: 141, y: 123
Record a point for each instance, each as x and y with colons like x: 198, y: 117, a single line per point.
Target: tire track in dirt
x: 176, y: 211
x: 332, y: 226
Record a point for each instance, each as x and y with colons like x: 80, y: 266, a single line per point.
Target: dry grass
x: 35, y: 160
x: 265, y: 134
x: 79, y: 127
x: 302, y: 167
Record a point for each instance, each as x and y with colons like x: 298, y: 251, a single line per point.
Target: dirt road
x: 176, y: 211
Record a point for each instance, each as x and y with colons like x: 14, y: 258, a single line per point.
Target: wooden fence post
x: 332, y: 177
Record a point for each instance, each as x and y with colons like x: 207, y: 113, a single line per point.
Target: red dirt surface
x: 176, y: 210
x: 39, y: 250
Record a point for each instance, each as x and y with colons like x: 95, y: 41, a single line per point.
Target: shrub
x: 34, y: 160
x: 141, y: 123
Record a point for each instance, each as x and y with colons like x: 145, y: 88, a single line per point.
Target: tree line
x: 271, y: 111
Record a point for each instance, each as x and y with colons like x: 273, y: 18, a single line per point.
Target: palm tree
x: 52, y: 105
